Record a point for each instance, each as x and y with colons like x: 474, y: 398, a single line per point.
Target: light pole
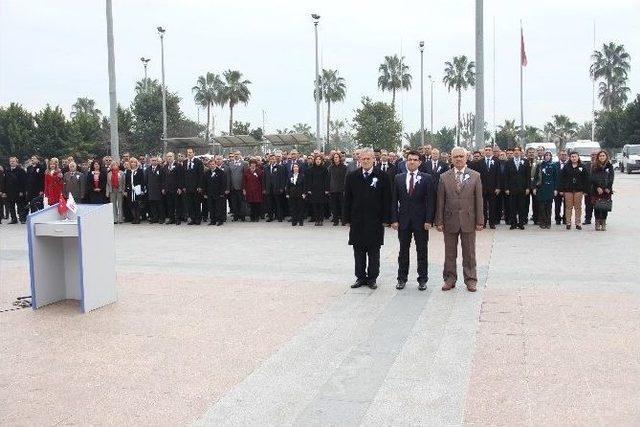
x: 316, y: 19
x: 422, y: 93
x: 479, y: 118
x: 145, y: 61
x: 113, y: 103
x: 431, y: 107
x: 161, y: 31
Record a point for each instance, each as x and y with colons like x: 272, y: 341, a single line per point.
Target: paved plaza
x: 255, y: 324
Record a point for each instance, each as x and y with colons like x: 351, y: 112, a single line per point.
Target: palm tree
x: 562, y: 129
x: 394, y: 75
x: 207, y: 92
x: 458, y: 75
x: 332, y: 89
x: 531, y: 134
x: 235, y: 90
x: 85, y: 105
x: 611, y: 64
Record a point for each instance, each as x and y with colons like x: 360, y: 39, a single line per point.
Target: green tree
x: 17, y: 128
x: 459, y: 75
x: 560, y: 130
x: 235, y: 91
x: 240, y: 128
x: 332, y: 89
x: 341, y: 137
x: 376, y: 126
x: 85, y: 134
x: 610, y: 128
x: 631, y: 127
x: 394, y: 76
x: 52, y: 133
x: 85, y: 106
x: 207, y: 92
x: 531, y: 134
x: 445, y: 139
x: 507, y: 134
x: 612, y: 65
x: 584, y: 130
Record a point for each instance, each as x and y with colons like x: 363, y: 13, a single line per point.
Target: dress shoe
x: 301, y: 223
x: 170, y: 222
x: 335, y: 223
x: 177, y: 222
x: 568, y: 226
x: 513, y: 227
x: 13, y: 221
x: 471, y: 287
x: 358, y: 283
x: 269, y: 220
x: 293, y: 224
x: 372, y: 284
x: 422, y: 286
x: 578, y: 227
x: 558, y: 222
x: 212, y: 223
x: 492, y: 226
x: 448, y: 286
x: 219, y: 224
x: 521, y: 227
x: 586, y: 223
x: 401, y: 284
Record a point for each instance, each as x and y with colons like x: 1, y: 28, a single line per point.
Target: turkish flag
x: 62, y: 206
x: 523, y: 54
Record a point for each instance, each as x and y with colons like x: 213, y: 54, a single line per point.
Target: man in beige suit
x: 459, y: 213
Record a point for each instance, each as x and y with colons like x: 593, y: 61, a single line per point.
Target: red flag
x: 523, y: 54
x: 62, y: 206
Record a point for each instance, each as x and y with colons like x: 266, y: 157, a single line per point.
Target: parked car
x: 584, y: 148
x: 630, y: 158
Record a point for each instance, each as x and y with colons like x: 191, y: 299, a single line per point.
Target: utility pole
x: 113, y: 103
x: 479, y: 117
x: 161, y: 31
x: 316, y: 19
x: 421, y: 45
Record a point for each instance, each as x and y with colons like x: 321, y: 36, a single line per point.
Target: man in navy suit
x: 434, y: 166
x: 413, y: 210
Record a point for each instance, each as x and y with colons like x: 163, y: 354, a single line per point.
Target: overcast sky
x: 55, y: 51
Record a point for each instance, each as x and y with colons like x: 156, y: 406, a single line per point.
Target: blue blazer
x: 413, y: 211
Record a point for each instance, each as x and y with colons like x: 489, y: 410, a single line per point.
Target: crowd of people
x: 290, y: 186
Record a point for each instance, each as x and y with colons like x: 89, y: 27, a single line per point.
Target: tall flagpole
x: 521, y: 102
x: 493, y: 86
x: 479, y: 117
x: 113, y: 104
x: 593, y: 91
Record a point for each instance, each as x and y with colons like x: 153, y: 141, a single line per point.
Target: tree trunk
x: 206, y: 134
x: 393, y: 100
x: 328, y: 121
x: 230, y: 119
x: 458, y: 125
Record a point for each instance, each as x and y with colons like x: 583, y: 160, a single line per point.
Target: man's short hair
x: 413, y: 153
x: 366, y: 150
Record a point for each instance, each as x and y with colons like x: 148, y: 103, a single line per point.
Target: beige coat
x: 459, y: 211
x: 120, y: 183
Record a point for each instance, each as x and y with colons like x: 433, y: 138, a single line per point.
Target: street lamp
x: 145, y: 61
x: 316, y: 19
x: 431, y: 107
x: 161, y: 32
x: 421, y: 45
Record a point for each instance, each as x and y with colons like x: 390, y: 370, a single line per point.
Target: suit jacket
x: 366, y: 207
x: 173, y: 178
x: 35, y: 180
x: 391, y: 171
x: 317, y: 183
x: 154, y: 182
x: 236, y: 174
x: 76, y: 184
x: 298, y: 189
x: 276, y: 180
x: 133, y: 178
x: 491, y: 176
x: 300, y: 162
x: 401, y: 166
x: 193, y: 175
x: 517, y: 180
x: 460, y: 210
x: 441, y: 167
x: 215, y: 183
x: 413, y: 210
x: 121, y: 183
x: 15, y: 182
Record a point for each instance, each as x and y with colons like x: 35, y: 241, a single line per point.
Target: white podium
x: 72, y: 259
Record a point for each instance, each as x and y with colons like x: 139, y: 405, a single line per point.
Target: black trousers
x: 204, y: 207
x: 296, y: 205
x: 506, y: 208
x: 193, y: 207
x: 490, y: 208
x: 336, y: 206
x: 174, y: 206
x: 134, y: 206
x: 366, y: 271
x: 255, y: 209
x: 156, y: 210
x: 217, y: 208
x: 558, y: 211
x: 17, y: 209
x: 534, y: 207
x: 544, y: 212
x: 126, y: 209
x: 600, y: 214
x: 236, y: 200
x: 588, y: 208
x: 275, y: 208
x: 318, y: 211
x: 421, y: 237
x: 518, y: 208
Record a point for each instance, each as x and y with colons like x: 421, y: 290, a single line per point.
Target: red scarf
x: 114, y: 180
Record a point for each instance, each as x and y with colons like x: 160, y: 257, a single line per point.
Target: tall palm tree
x: 458, y: 75
x: 85, y: 105
x: 332, y: 89
x: 394, y: 75
x: 562, y: 129
x: 235, y: 91
x: 207, y: 92
x: 612, y: 65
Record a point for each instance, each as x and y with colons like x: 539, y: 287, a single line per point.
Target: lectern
x: 72, y: 259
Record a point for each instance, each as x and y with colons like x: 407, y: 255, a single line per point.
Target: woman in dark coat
x: 574, y: 182
x: 295, y: 195
x: 546, y: 186
x: 601, y: 181
x: 317, y: 187
x: 3, y: 195
x: 96, y: 184
x: 134, y: 189
x: 337, y: 175
x: 252, y: 189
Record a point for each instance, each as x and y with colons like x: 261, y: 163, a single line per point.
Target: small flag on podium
x: 71, y: 204
x: 62, y: 206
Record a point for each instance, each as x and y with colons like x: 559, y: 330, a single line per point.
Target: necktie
x: 487, y: 161
x: 517, y: 165
x: 458, y: 182
x: 190, y: 165
x: 384, y: 168
x: 366, y: 175
x: 411, y: 184
x: 435, y: 166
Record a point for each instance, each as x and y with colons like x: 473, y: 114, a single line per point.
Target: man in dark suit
x: 16, y: 184
x: 172, y: 189
x: 386, y: 166
x: 193, y: 173
x: 489, y: 170
x: 517, y: 187
x: 434, y: 166
x: 413, y: 207
x: 216, y: 186
x: 35, y: 185
x: 367, y: 203
x: 558, y: 198
x: 154, y: 178
x: 275, y: 180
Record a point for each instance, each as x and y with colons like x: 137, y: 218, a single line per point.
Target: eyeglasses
x: 458, y: 156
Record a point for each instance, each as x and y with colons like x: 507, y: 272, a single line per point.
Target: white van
x: 630, y: 158
x: 548, y: 146
x: 584, y: 148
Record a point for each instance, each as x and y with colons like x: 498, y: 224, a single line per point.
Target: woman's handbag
x: 603, y: 205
